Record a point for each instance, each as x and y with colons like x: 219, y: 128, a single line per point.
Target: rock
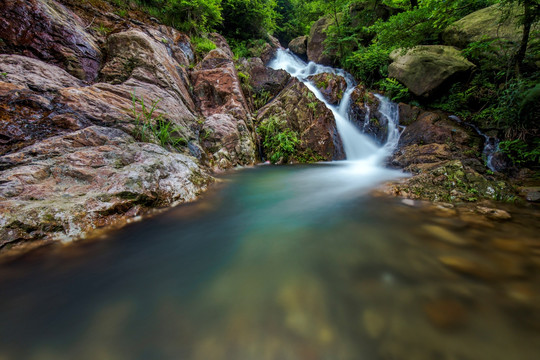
x: 217, y: 91
x: 531, y: 194
x: 414, y: 157
x: 310, y: 118
x: 510, y: 245
x: 65, y: 186
x: 47, y: 30
x: 424, y: 69
x: 315, y: 44
x: 474, y: 268
x: 111, y: 105
x: 408, y: 114
x: 430, y: 128
x: 270, y: 49
x: 332, y: 86
x: 374, y: 323
x: 366, y: 115
x: 262, y: 78
x: 444, y: 235
x: 446, y: 314
x: 299, y: 45
x: 494, y: 214
x: 136, y: 54
x: 35, y: 74
x: 486, y: 25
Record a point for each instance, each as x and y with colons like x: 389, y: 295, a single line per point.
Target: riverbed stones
x: 494, y: 214
x: 442, y: 234
x: 424, y: 69
x: 446, y: 314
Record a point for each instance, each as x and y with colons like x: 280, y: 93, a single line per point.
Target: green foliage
x: 369, y: 64
x: 248, y: 19
x: 394, y: 89
x: 261, y: 98
x: 202, y: 46
x: 279, y: 142
x: 521, y: 152
x: 149, y: 126
x: 247, y: 48
x: 102, y: 29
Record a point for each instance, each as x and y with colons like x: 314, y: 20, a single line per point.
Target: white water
x: 358, y: 146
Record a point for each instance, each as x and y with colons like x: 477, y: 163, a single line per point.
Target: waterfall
x: 357, y: 146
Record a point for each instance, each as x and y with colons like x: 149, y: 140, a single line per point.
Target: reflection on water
x: 284, y: 263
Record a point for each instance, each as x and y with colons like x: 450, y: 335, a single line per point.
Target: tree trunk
x: 528, y: 18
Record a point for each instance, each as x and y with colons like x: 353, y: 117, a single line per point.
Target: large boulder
x: 219, y: 97
x: 496, y: 22
x: 332, y: 86
x: 299, y: 45
x: 47, y: 30
x: 65, y: 186
x: 262, y: 78
x: 143, y: 56
x: 298, y: 108
x: 424, y: 69
x: 315, y: 46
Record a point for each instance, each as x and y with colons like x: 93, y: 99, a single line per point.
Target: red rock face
x: 46, y: 30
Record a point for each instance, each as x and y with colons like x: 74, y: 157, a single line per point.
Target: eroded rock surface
x: 66, y: 186
x: 47, y: 30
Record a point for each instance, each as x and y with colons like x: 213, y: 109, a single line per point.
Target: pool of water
x: 284, y: 263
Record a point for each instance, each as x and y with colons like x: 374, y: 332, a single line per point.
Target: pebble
x: 446, y: 314
x: 374, y: 323
x: 444, y: 235
x: 494, y: 214
x: 468, y: 267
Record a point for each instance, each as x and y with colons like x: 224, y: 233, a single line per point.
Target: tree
x: 531, y: 14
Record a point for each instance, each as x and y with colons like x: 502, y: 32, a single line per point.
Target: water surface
x: 279, y: 263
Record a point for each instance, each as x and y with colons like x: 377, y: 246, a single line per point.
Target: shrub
x: 202, y: 46
x: 279, y: 142
x: 394, y: 90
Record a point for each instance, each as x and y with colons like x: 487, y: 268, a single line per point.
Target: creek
x: 289, y: 262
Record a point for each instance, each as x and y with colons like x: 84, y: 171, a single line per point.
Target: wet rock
x: 374, y: 323
x: 444, y: 235
x: 310, y: 118
x: 408, y: 114
x: 436, y: 128
x: 532, y: 194
x: 299, y: 45
x: 332, y: 86
x: 47, y: 30
x: 315, y: 44
x: 415, y: 157
x: 217, y: 90
x: 262, y: 78
x: 446, y: 314
x: 474, y: 268
x: 424, y: 69
x: 510, y: 245
x: 494, y: 214
x: 365, y: 114
x: 65, y: 186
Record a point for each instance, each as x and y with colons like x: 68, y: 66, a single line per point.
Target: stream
x: 286, y: 262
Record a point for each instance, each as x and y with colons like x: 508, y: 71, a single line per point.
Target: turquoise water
x: 283, y: 263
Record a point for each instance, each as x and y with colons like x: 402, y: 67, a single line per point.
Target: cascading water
x: 358, y: 146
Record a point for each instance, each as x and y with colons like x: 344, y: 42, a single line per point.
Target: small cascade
x: 390, y: 113
x: 357, y: 146
x: 491, y: 144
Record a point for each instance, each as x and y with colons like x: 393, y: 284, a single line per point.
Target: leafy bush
x: 522, y: 153
x: 202, y: 46
x: 279, y: 142
x: 248, y: 19
x: 394, y: 90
